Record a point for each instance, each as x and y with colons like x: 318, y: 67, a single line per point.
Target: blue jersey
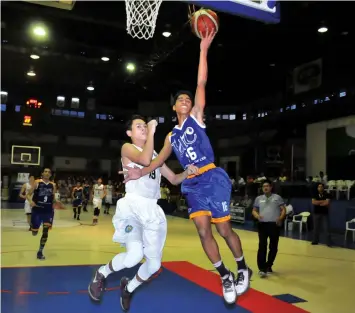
x: 78, y: 193
x: 191, y: 143
x: 43, y: 195
x: 86, y: 190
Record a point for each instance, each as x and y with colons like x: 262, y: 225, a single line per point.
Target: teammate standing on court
x: 77, y: 196
x: 23, y: 194
x: 208, y: 193
x: 42, y: 199
x: 108, y: 198
x: 99, y: 192
x: 139, y: 222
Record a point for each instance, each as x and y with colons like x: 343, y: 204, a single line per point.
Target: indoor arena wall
x: 316, y: 154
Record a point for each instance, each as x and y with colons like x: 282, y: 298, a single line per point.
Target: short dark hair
x: 134, y: 117
x: 182, y: 92
x: 267, y: 181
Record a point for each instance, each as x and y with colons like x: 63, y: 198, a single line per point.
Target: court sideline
x: 312, y: 278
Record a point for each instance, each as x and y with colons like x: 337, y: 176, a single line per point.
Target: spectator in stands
x: 323, y: 178
x: 321, y: 201
x: 269, y: 209
x: 282, y: 177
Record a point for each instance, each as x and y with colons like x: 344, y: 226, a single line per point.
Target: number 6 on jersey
x: 191, y: 154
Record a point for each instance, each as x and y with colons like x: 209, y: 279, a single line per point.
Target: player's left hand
x: 207, y: 40
x: 131, y: 173
x: 192, y: 170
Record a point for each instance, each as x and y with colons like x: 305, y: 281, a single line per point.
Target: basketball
x: 204, y: 20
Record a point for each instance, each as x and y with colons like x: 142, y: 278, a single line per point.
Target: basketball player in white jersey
x: 99, y: 192
x: 23, y: 195
x: 108, y: 198
x: 139, y: 222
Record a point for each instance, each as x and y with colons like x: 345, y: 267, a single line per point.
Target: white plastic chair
x: 348, y: 185
x: 303, y: 220
x: 289, y: 212
x: 331, y: 186
x: 351, y: 228
x: 341, y: 187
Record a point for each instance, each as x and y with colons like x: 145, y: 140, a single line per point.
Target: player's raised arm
x: 134, y: 155
x: 176, y: 179
x: 200, y: 96
x: 135, y: 173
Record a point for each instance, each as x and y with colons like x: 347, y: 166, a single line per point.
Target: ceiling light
x: 166, y: 34
x: 272, y: 64
x: 31, y: 73
x: 130, y: 67
x: 3, y: 93
x: 344, y: 33
x: 90, y: 88
x: 34, y: 56
x: 322, y: 29
x: 105, y: 59
x: 39, y: 31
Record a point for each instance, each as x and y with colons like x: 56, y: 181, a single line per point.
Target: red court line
x: 254, y: 301
x: 28, y: 293
x: 5, y: 291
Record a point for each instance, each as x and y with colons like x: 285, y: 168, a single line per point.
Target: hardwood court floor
x: 320, y: 276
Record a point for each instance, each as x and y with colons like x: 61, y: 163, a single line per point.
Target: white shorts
x: 28, y: 209
x: 108, y: 199
x: 140, y: 219
x: 97, y: 203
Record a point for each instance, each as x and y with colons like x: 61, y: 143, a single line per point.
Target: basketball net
x: 141, y: 17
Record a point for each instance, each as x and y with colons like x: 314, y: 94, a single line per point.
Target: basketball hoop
x: 141, y: 17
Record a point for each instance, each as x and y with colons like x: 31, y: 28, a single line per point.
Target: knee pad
x: 96, y: 212
x: 153, y: 265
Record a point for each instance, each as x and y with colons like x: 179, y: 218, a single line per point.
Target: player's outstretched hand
x: 207, y: 40
x: 131, y: 173
x: 192, y: 170
x: 152, y: 125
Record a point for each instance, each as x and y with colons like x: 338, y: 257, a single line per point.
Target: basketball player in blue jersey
x: 86, y: 192
x: 208, y: 193
x: 77, y: 196
x: 42, y: 199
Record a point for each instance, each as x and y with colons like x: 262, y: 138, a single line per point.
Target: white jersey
x: 98, y: 191
x: 109, y: 189
x: 147, y: 186
x: 27, y: 190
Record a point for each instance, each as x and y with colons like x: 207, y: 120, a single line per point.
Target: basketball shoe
x: 242, y: 283
x: 126, y: 296
x: 96, y: 287
x: 229, y: 290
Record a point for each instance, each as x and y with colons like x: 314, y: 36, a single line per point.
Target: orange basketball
x: 203, y: 20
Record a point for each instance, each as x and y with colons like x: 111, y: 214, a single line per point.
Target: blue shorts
x: 209, y: 194
x: 77, y: 202
x: 40, y: 216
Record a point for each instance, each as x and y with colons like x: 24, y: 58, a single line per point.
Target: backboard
x: 263, y: 10
x: 26, y: 155
x: 59, y: 4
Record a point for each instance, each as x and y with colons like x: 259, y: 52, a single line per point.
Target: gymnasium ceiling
x: 248, y: 59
